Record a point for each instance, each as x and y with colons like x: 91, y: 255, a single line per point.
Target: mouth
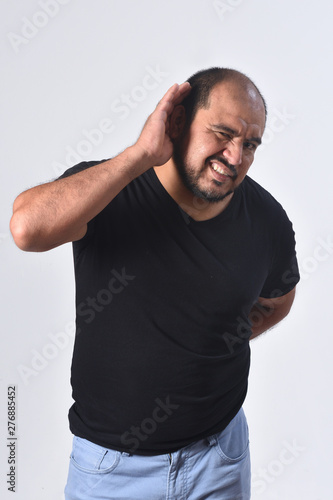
x: 221, y: 172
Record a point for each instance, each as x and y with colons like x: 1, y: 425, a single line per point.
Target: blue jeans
x: 217, y: 467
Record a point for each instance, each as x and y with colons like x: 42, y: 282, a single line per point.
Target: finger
x: 170, y: 94
x: 184, y: 87
x: 183, y: 90
x: 176, y: 93
x: 173, y: 97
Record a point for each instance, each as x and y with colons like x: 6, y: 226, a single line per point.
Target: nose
x: 233, y: 153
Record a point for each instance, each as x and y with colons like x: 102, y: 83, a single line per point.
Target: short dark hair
x: 202, y: 84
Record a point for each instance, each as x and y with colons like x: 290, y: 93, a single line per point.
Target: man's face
x: 215, y: 153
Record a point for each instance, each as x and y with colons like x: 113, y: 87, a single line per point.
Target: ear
x: 177, y: 122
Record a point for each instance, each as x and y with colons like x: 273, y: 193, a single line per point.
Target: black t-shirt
x: 161, y: 355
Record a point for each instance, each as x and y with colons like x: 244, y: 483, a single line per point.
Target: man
x: 180, y: 259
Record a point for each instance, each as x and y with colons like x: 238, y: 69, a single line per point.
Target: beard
x: 191, y: 179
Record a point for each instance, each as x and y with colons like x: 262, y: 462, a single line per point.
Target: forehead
x: 235, y: 105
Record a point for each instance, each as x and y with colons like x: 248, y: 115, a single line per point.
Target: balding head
x: 204, y: 81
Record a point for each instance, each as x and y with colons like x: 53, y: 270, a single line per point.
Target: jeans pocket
x: 233, y: 441
x: 94, y: 459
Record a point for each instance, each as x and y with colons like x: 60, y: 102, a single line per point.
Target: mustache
x: 225, y: 162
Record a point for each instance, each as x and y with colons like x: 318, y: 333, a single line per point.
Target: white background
x: 64, y: 77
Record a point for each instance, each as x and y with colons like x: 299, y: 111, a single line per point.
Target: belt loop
x: 212, y: 440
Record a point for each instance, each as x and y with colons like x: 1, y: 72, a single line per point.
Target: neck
x: 198, y: 209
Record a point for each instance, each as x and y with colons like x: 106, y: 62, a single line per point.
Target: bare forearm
x: 263, y: 319
x: 57, y: 212
x: 267, y: 313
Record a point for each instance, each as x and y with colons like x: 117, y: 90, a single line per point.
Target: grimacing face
x: 214, y: 155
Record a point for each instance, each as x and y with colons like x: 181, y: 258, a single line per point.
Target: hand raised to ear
x: 154, y: 140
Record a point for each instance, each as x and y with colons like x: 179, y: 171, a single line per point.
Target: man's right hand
x: 154, y: 142
x: 57, y: 212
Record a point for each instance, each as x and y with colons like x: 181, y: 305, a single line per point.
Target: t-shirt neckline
x: 200, y: 223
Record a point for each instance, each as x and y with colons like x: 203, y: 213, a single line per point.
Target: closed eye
x: 224, y: 134
x: 250, y: 146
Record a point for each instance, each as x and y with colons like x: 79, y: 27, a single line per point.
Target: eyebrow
x: 231, y: 131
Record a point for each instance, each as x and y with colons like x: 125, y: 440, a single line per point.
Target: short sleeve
x: 284, y: 273
x: 78, y: 245
x: 79, y: 168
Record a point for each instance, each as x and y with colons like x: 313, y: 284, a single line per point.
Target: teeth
x: 219, y: 169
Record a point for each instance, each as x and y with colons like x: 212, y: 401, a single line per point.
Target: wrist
x: 138, y: 160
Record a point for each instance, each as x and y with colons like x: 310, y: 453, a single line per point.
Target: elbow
x: 18, y: 225
x: 26, y: 227
x: 19, y: 232
x: 24, y: 238
x: 29, y: 237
